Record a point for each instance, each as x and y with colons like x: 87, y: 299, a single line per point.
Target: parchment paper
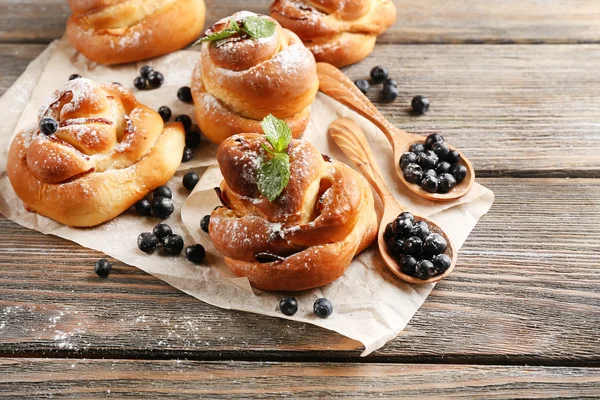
x: 370, y: 304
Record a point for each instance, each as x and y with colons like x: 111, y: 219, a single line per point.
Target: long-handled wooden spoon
x: 335, y: 84
x: 348, y: 136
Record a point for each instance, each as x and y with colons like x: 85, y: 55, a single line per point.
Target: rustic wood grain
x: 434, y: 21
x: 515, y: 110
x: 183, y: 379
x: 525, y: 290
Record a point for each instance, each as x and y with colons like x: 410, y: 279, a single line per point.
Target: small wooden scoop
x: 348, y: 136
x: 335, y: 84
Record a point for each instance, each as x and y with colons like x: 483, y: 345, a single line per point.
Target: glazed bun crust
x: 322, y: 219
x: 107, y: 154
x: 340, y: 32
x: 122, y: 31
x: 240, y: 80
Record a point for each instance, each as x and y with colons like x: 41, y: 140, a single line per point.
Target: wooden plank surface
x: 515, y: 110
x: 182, y: 379
x: 525, y: 290
x: 434, y: 21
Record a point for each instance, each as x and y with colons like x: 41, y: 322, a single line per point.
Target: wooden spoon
x: 348, y: 136
x: 335, y: 84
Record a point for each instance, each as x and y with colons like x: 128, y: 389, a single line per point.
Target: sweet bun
x: 122, y: 31
x: 339, y: 32
x: 308, y: 235
x: 108, y: 152
x: 240, y: 80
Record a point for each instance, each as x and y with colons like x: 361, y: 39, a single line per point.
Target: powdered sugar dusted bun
x: 240, y: 80
x: 321, y: 220
x: 108, y: 152
x: 340, y: 32
x: 121, y: 31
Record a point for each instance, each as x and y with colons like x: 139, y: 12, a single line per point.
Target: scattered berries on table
x: 195, y: 253
x: 390, y: 93
x: 185, y: 94
x: 204, y: 222
x: 155, y: 79
x: 163, y: 191
x: 140, y: 83
x: 188, y: 154
x: 102, y: 267
x: 288, y: 306
x: 390, y: 82
x: 172, y: 244
x: 145, y: 71
x: 322, y: 308
x: 165, y: 113
x: 362, y: 85
x: 185, y: 120
x: 420, y: 104
x: 162, y: 207
x: 192, y: 138
x: 143, y: 207
x: 379, y: 74
x: 147, y: 242
x: 162, y: 230
x: 190, y: 180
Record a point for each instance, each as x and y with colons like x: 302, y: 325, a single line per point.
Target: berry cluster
x: 148, y: 79
x: 379, y: 74
x: 161, y: 206
x: 432, y: 165
x: 322, y: 307
x: 417, y: 251
x: 172, y: 244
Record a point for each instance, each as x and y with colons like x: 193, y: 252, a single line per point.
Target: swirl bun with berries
x: 340, y: 32
x: 240, y: 80
x: 108, y: 152
x: 122, y: 31
x: 308, y: 235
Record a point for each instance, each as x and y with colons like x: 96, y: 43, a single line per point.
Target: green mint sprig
x: 254, y: 26
x: 273, y: 173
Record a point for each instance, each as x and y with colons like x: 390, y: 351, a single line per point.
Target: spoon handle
x: 349, y: 137
x: 337, y: 85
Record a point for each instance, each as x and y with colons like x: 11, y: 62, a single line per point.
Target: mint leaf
x: 273, y: 175
x: 231, y: 29
x: 259, y: 27
x: 277, y: 133
x: 224, y: 34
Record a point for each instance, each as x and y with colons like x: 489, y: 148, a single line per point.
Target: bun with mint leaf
x: 292, y: 219
x: 251, y: 67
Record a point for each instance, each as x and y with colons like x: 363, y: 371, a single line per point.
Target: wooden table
x: 516, y: 84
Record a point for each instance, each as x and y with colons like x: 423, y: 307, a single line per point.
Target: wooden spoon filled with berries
x: 429, y: 167
x: 414, y: 248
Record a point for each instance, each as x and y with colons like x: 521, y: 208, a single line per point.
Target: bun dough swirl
x: 122, y: 31
x: 321, y: 220
x: 108, y: 152
x: 339, y: 32
x: 239, y: 81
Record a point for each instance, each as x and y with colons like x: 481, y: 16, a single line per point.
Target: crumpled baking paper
x: 371, y: 304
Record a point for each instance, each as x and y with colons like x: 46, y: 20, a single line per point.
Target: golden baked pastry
x: 339, y: 32
x: 308, y: 235
x: 122, y: 31
x: 240, y: 80
x: 109, y: 151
